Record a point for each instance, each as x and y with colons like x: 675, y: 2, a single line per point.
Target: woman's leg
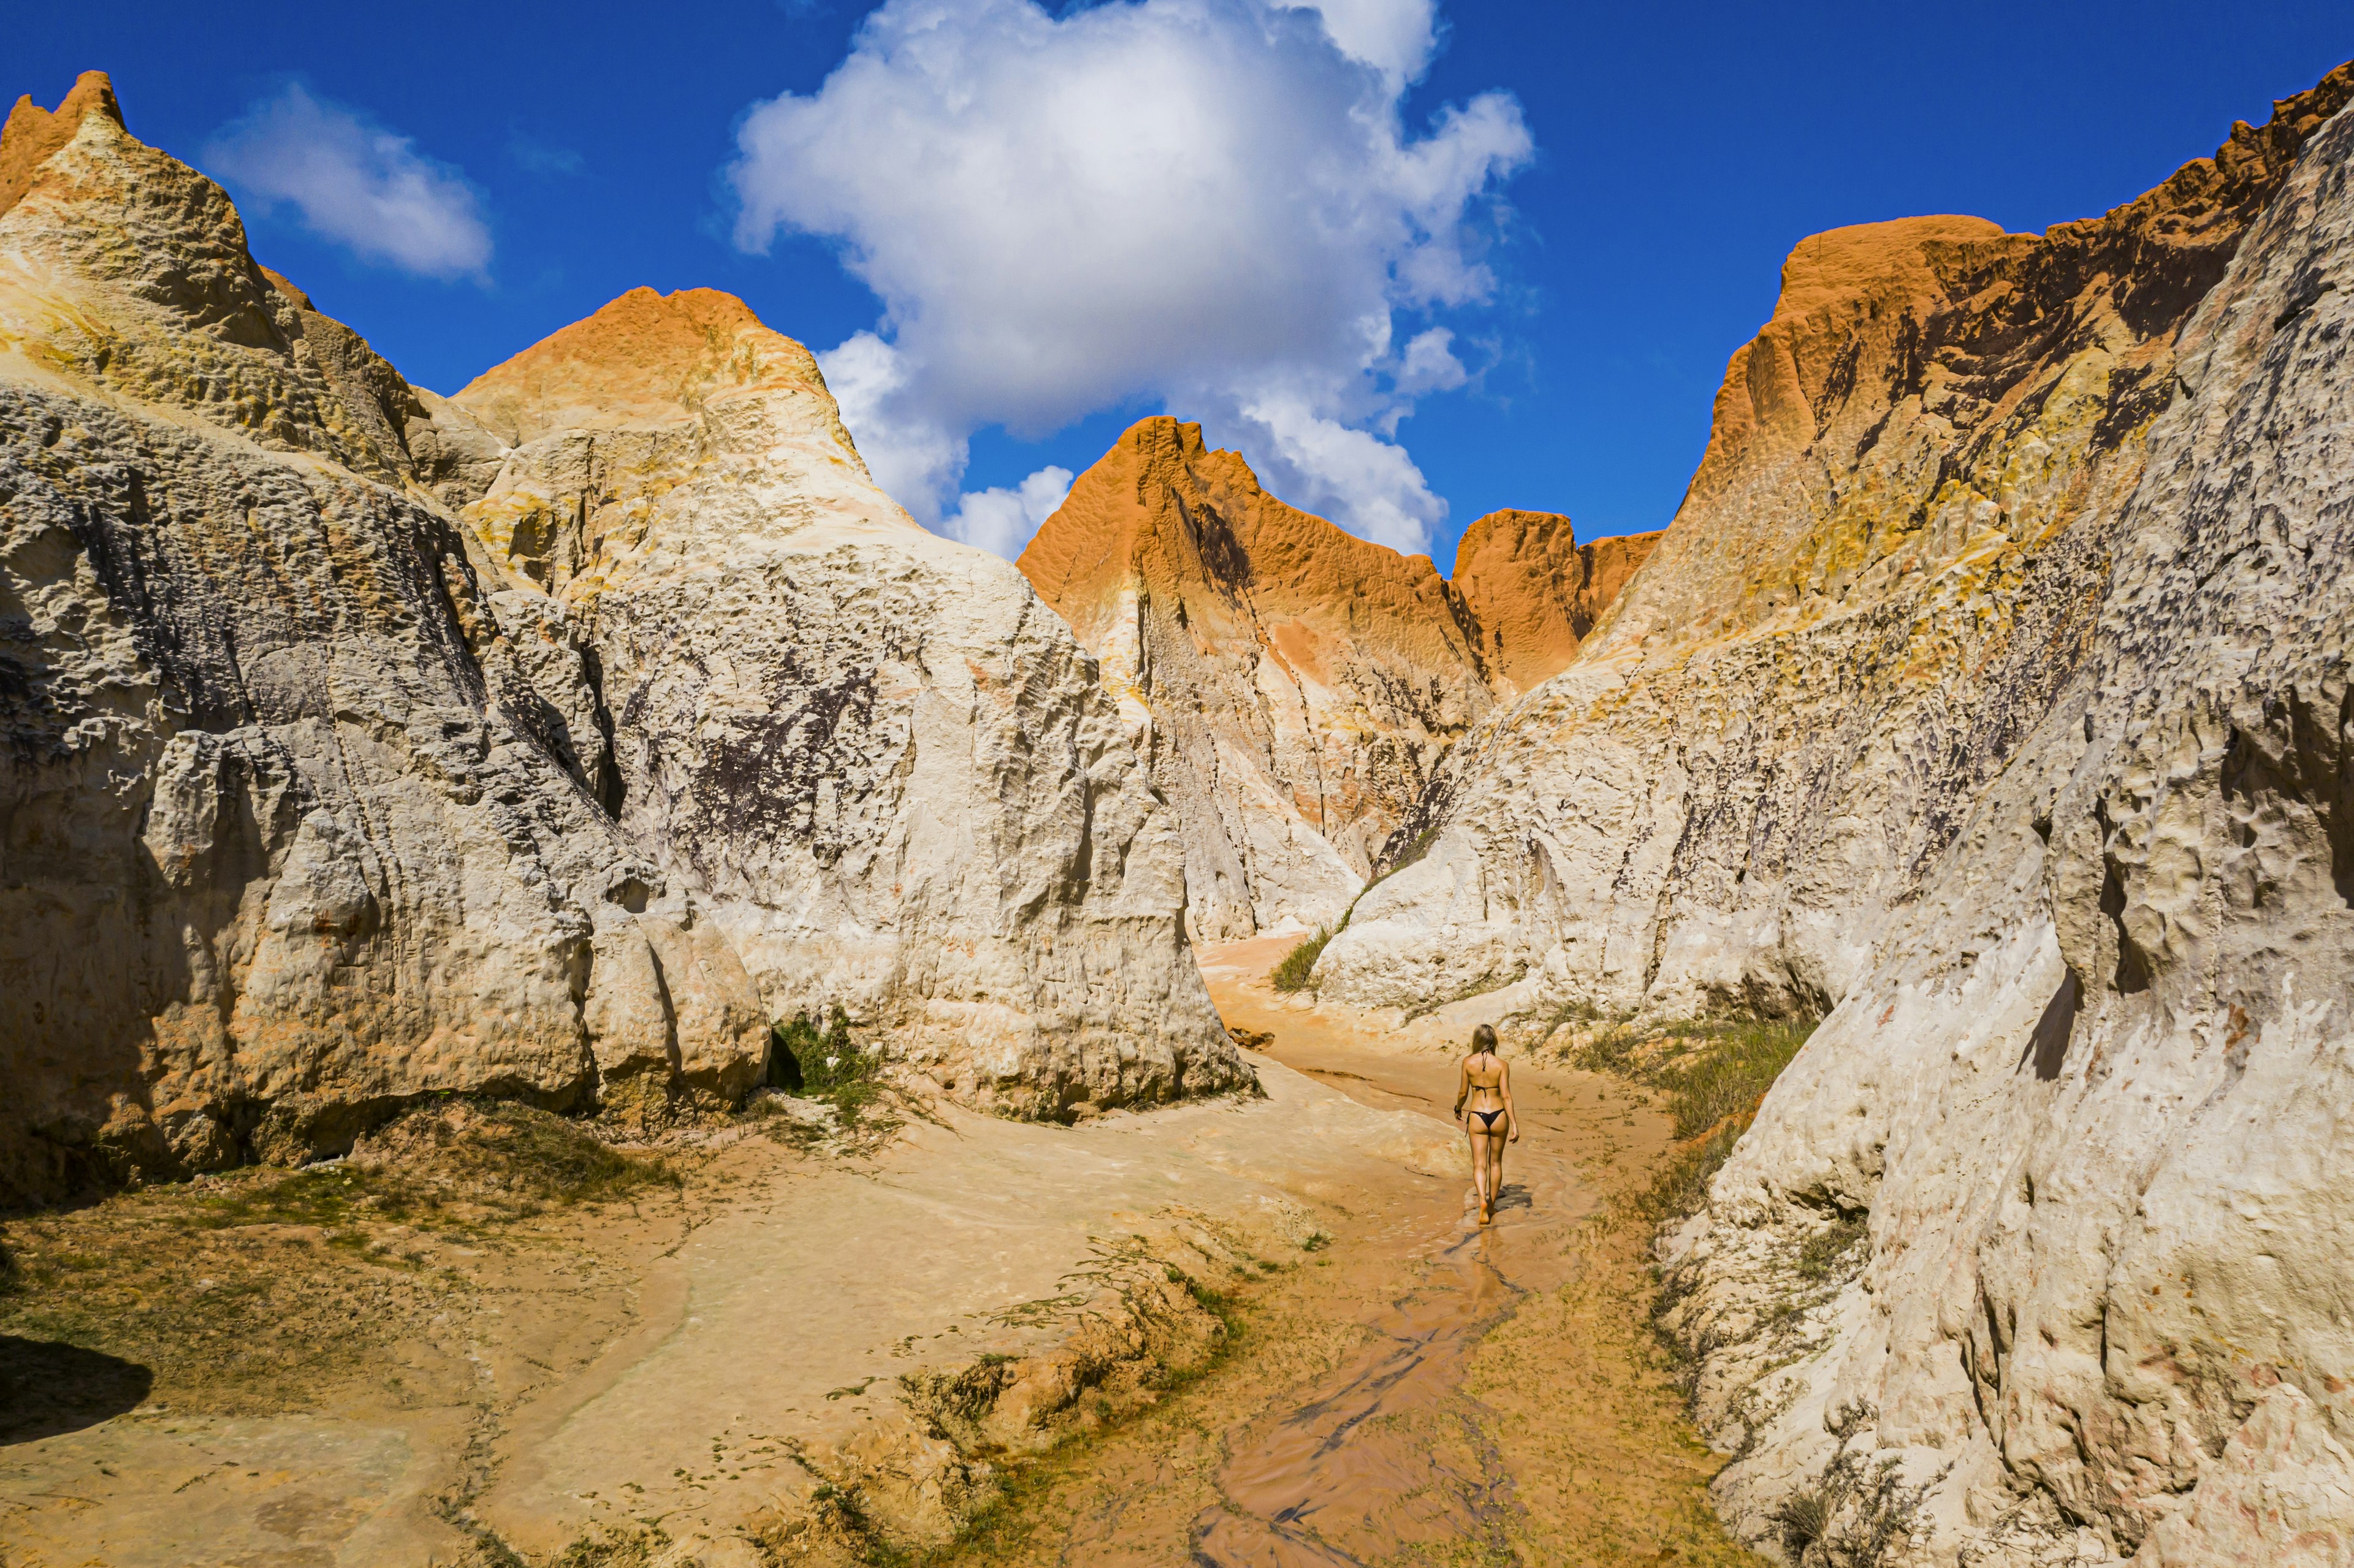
x: 1479, y: 1158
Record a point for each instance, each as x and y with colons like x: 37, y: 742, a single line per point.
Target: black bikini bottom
x: 1488, y: 1118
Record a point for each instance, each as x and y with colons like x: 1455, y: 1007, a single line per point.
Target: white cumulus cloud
x: 355, y: 183
x: 1000, y: 520
x: 1215, y: 204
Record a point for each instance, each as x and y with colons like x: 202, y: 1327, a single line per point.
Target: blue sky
x: 1418, y: 261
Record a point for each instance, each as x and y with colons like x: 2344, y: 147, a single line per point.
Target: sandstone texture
x: 1533, y: 593
x: 887, y: 769
x: 1293, y: 688
x: 1989, y: 693
x: 313, y: 802
x: 1890, y: 562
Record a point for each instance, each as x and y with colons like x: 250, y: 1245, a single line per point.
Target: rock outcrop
x: 1990, y: 691
x: 307, y: 806
x: 1533, y: 594
x: 1888, y: 563
x: 1293, y: 688
x: 886, y: 768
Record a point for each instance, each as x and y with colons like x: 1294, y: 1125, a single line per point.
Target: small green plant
x: 824, y: 1064
x: 1292, y: 973
x: 1821, y: 1254
x: 632, y: 1547
x: 1803, y: 1519
x: 1714, y: 1074
x: 1859, y: 1512
x: 1300, y: 962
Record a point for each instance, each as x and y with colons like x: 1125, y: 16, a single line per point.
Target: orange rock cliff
x: 1293, y: 687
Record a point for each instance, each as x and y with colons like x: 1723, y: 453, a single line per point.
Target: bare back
x: 1483, y: 1080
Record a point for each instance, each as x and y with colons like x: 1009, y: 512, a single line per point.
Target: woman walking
x: 1485, y: 1086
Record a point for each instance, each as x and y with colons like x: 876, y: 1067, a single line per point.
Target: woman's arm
x: 1511, y: 1116
x: 1462, y: 1085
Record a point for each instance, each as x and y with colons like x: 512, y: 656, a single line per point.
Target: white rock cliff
x: 1990, y: 691
x: 888, y: 770
x: 307, y: 804
x: 1294, y: 688
x: 2093, y: 1096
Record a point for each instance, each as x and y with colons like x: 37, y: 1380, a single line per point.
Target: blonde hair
x: 1483, y: 1039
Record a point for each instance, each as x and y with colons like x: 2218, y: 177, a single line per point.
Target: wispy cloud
x: 1213, y: 203
x: 355, y: 183
x: 534, y: 156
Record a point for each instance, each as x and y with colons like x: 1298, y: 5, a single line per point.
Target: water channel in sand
x: 1387, y: 1453
x: 1483, y: 1395
x: 1419, y: 1391
x: 1384, y: 1454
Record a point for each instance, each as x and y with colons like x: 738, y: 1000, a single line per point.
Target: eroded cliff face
x: 1292, y: 687
x: 1890, y: 562
x: 306, y: 807
x: 1989, y: 693
x: 882, y: 763
x: 2093, y: 1096
x: 1533, y: 594
x: 286, y: 842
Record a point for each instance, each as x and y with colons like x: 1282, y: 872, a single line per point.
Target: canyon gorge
x: 563, y: 742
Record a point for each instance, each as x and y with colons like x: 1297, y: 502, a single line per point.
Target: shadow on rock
x: 47, y: 1388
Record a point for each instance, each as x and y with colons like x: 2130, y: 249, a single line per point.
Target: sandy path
x: 787, y: 1320
x: 1447, y: 1393
x: 693, y: 1365
x: 1419, y: 1390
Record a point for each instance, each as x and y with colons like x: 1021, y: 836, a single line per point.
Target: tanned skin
x: 1485, y: 1083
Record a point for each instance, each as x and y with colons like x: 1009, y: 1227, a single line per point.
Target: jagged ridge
x: 1292, y: 686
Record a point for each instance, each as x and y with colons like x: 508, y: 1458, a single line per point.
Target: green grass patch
x: 825, y: 1064
x: 1291, y: 974
x: 1300, y: 962
x: 1714, y: 1074
x: 1821, y: 1254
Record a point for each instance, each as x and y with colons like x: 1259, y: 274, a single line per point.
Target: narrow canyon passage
x: 666, y: 1374
x: 1437, y: 1391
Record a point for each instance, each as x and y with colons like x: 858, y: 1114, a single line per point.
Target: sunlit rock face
x: 1890, y: 562
x: 1293, y: 688
x: 313, y: 800
x: 888, y: 770
x: 1533, y: 594
x: 1990, y: 691
x: 289, y: 837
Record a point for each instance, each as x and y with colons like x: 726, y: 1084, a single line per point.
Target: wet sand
x: 1398, y: 1385
x: 1441, y: 1392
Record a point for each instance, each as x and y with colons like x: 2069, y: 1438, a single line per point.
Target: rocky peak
x: 645, y: 359
x: 132, y: 272
x: 32, y: 133
x: 1294, y: 686
x: 1163, y: 507
x: 1940, y: 340
x: 860, y: 742
x: 1531, y: 593
x: 1291, y: 685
